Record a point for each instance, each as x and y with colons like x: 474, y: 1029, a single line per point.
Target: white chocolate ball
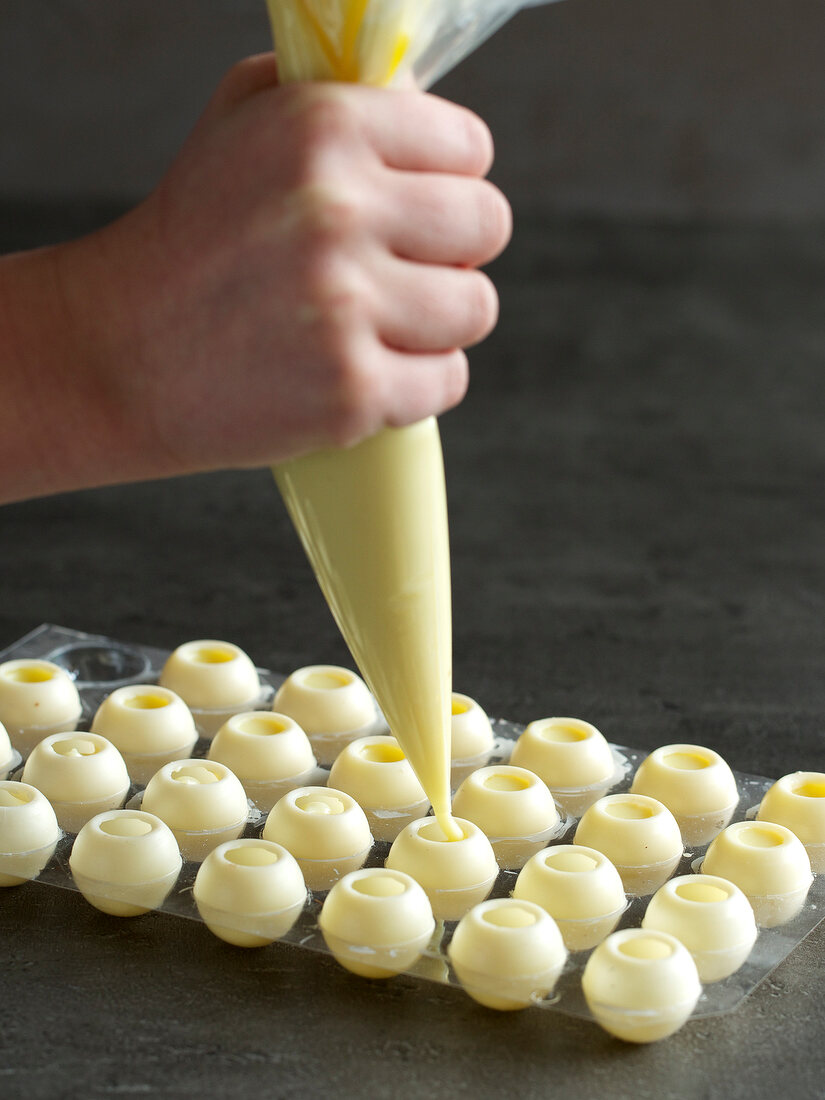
x: 797, y: 801
x: 81, y: 774
x: 455, y: 874
x: 376, y: 922
x: 29, y: 832
x: 472, y: 738
x: 571, y: 756
x: 638, y: 835
x: 250, y: 892
x: 695, y: 784
x: 150, y: 726
x: 325, y: 830
x: 331, y: 704
x: 125, y: 862
x: 641, y: 985
x: 768, y: 864
x: 269, y: 753
x: 214, y: 679
x: 202, y: 802
x: 579, y: 887
x: 710, y: 916
x: 375, y: 771
x: 7, y: 754
x: 513, y: 807
x: 36, y: 698
x: 507, y: 953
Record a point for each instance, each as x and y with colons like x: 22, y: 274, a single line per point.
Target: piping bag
x: 373, y: 517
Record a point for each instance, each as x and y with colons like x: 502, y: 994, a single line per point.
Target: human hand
x: 304, y: 275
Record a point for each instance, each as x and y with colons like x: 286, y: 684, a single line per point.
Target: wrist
x: 65, y: 420
x: 42, y: 384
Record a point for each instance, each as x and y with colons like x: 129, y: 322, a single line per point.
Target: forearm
x: 61, y: 427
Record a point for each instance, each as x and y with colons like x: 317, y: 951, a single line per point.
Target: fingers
x: 434, y: 136
x: 440, y: 219
x: 417, y: 386
x: 425, y: 308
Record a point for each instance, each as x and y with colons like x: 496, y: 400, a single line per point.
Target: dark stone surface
x: 638, y: 536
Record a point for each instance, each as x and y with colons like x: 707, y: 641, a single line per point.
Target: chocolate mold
x: 96, y: 676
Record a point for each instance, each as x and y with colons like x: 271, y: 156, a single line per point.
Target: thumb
x: 247, y: 77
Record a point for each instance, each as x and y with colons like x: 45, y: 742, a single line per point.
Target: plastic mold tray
x: 99, y: 664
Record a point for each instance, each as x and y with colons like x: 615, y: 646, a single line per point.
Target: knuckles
x: 319, y: 118
x: 327, y: 217
x: 336, y: 297
x: 353, y: 404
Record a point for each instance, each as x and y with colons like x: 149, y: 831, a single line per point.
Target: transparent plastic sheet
x: 99, y: 665
x: 383, y: 41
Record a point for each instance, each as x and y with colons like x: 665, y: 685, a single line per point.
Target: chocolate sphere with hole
x: 471, y: 738
x: 269, y: 753
x: 325, y: 830
x: 202, y: 802
x: 331, y: 704
x: 249, y: 892
x: 695, y: 784
x: 149, y: 725
x: 797, y: 801
x: 375, y: 771
x: 638, y: 835
x: 376, y: 922
x: 579, y: 887
x: 571, y: 756
x: 768, y: 864
x: 125, y: 862
x: 512, y: 807
x: 455, y: 874
x: 29, y: 832
x: 81, y: 774
x: 507, y: 953
x: 710, y: 916
x: 37, y: 698
x: 641, y: 985
x: 215, y: 679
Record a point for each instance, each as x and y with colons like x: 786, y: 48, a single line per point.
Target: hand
x: 303, y: 276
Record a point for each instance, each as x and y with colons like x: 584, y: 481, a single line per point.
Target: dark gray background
x: 637, y: 532
x: 675, y: 108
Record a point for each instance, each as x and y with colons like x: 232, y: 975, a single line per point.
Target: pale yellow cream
x: 373, y: 518
x: 373, y: 521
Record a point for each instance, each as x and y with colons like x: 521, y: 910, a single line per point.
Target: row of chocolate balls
x: 83, y: 774
x: 151, y: 725
x: 204, y: 804
x: 154, y: 725
x: 694, y: 782
x: 766, y: 860
x: 512, y: 806
x: 507, y: 953
x: 681, y: 758
x: 325, y: 827
x: 757, y: 849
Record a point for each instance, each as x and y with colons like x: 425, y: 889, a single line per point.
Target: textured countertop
x: 638, y: 535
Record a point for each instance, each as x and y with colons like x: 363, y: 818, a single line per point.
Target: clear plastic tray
x: 99, y: 665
